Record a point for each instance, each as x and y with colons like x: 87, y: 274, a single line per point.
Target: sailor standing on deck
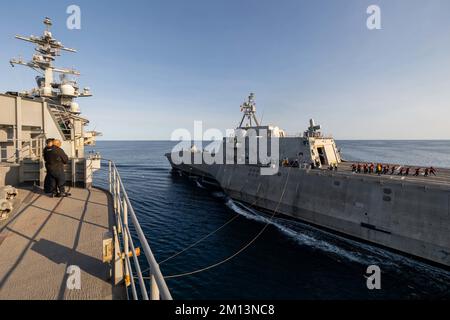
x: 407, y: 171
x: 432, y: 171
x: 57, y: 158
x: 49, y: 183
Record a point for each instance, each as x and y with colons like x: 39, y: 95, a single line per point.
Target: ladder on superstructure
x: 63, y: 119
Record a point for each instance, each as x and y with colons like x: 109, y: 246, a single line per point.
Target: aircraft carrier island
x: 71, y: 246
x: 403, y: 208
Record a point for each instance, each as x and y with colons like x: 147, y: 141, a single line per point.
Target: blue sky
x: 155, y: 66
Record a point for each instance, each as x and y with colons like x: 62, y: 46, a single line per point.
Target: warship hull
x: 409, y: 215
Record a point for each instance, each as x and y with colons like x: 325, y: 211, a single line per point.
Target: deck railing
x: 23, y: 149
x: 132, y: 272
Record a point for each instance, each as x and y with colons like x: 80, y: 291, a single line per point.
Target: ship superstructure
x: 49, y: 110
x: 310, y: 149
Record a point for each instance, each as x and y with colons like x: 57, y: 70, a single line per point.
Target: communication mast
x: 47, y: 49
x: 313, y: 130
x: 249, y: 110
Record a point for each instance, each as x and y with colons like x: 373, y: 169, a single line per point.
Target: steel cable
x: 243, y: 248
x: 202, y: 239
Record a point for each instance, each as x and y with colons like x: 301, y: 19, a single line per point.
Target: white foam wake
x: 300, y: 238
x: 199, y: 184
x: 366, y: 255
x: 219, y: 194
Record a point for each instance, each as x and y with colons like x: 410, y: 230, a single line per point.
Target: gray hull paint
x: 407, y: 217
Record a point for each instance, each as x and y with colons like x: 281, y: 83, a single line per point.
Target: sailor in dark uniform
x: 49, y: 183
x: 57, y: 158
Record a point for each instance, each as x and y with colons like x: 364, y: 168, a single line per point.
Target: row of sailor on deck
x: 371, y: 168
x: 55, y: 158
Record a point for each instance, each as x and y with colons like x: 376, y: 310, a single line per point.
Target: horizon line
x: 162, y: 140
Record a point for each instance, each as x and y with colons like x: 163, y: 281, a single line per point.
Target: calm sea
x: 290, y: 260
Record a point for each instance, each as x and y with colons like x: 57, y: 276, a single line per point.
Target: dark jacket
x: 47, y: 151
x: 55, y: 159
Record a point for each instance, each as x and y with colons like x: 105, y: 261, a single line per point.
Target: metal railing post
x: 155, y: 269
x: 126, y: 243
x: 124, y: 212
x: 119, y: 203
x: 119, y: 200
x: 110, y: 177
x: 115, y: 189
x: 118, y: 263
x: 154, y: 291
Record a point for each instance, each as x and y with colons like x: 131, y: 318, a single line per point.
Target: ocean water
x: 290, y: 260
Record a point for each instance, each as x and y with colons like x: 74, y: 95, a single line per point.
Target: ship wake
x: 301, y: 238
x: 342, y: 248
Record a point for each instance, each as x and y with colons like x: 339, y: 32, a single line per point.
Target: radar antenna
x: 249, y: 110
x: 48, y: 23
x: 47, y: 49
x: 313, y: 130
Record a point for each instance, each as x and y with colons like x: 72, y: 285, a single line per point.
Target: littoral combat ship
x: 73, y: 248
x: 311, y: 182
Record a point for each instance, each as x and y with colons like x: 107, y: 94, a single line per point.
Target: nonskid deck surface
x: 46, y: 236
x: 442, y: 176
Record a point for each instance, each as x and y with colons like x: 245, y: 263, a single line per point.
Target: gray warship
x: 76, y: 248
x: 314, y: 184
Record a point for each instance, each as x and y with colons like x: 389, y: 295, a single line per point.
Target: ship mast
x: 48, y: 48
x: 249, y: 110
x: 313, y: 130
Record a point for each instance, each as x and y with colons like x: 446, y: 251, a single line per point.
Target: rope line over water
x: 202, y: 239
x: 243, y: 248
x: 198, y: 242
